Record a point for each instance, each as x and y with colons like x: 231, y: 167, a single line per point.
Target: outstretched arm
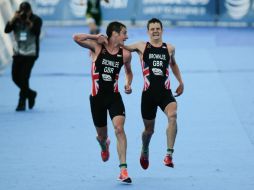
x: 176, y: 71
x: 136, y: 47
x: 128, y: 71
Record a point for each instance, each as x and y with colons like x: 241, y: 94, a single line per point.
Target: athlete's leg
x: 148, y: 111
x: 117, y: 115
x: 147, y: 133
x: 118, y: 122
x: 102, y: 134
x: 99, y: 115
x: 171, y: 131
x: 102, y: 138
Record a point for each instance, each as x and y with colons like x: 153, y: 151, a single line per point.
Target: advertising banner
x: 119, y: 9
x: 180, y: 10
x: 237, y: 12
x: 59, y: 10
x: 74, y: 10
x: 128, y: 10
x: 209, y: 12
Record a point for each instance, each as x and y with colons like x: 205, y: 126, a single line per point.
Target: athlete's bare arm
x: 128, y: 71
x: 175, y: 69
x: 89, y: 41
x: 138, y: 47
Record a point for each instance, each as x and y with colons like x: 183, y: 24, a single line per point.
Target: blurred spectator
x: 26, y: 28
x: 93, y: 15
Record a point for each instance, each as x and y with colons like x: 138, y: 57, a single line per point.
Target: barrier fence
x: 6, y: 12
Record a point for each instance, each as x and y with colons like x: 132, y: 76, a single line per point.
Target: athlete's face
x: 122, y: 36
x: 155, y: 31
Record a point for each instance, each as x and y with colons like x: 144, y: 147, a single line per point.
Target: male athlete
x: 93, y: 14
x: 107, y: 61
x: 156, y: 58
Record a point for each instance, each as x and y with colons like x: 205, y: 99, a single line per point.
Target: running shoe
x: 105, y: 153
x: 168, y: 161
x: 124, y: 177
x: 144, y: 160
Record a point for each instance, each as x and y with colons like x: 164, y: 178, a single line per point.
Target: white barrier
x: 6, y: 12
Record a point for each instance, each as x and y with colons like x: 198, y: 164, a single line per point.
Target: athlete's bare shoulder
x: 126, y: 56
x: 126, y: 53
x: 171, y: 49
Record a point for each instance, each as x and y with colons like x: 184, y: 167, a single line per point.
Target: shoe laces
x: 124, y: 173
x: 168, y: 158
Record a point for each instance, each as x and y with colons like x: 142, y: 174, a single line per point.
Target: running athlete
x: 107, y: 60
x: 93, y: 14
x: 156, y: 58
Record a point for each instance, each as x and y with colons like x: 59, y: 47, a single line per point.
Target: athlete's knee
x: 149, y: 130
x: 119, y: 130
x: 172, y: 116
x: 149, y: 133
x: 149, y: 126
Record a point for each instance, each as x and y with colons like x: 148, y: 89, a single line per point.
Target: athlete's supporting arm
x: 128, y: 71
x: 176, y: 71
x: 136, y: 47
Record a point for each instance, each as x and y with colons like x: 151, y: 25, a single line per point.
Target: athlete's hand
x: 15, y: 17
x: 179, y: 90
x: 127, y: 89
x: 102, y: 39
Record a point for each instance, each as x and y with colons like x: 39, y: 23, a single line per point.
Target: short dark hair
x: 154, y: 20
x: 25, y: 6
x: 114, y: 26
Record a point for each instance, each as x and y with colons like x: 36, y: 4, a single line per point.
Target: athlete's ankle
x: 123, y: 166
x: 145, y: 149
x: 102, y: 143
x: 170, y: 151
